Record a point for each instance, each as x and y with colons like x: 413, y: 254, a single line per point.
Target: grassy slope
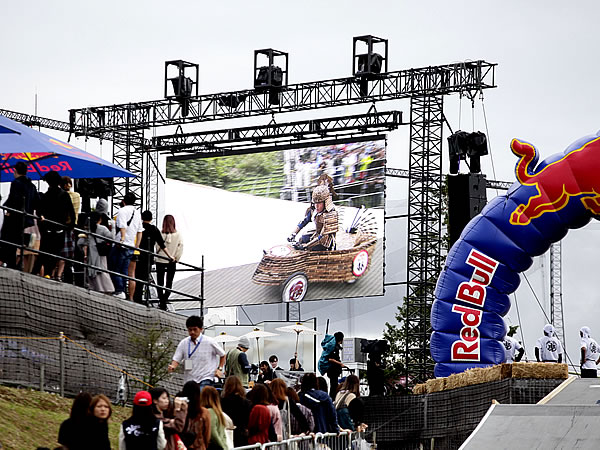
x: 30, y: 419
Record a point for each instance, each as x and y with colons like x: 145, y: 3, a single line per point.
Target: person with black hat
x: 142, y: 431
x: 129, y: 232
x: 237, y: 362
x: 513, y: 349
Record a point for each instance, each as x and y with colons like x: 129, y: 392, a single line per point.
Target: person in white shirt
x: 513, y: 349
x: 589, y: 354
x: 203, y: 359
x: 548, y: 347
x: 129, y: 231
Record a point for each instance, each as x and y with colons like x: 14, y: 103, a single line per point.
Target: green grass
x: 30, y: 419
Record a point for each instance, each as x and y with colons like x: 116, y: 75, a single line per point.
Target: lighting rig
x: 370, y: 82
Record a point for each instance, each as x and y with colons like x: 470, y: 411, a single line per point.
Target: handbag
x: 179, y: 445
x: 104, y: 248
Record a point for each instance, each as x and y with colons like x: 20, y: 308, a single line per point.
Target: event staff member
x: 548, y: 348
x: 589, y: 354
x: 513, y: 349
x: 202, y: 358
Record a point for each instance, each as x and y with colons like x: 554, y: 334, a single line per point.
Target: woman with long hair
x: 349, y: 407
x: 142, y: 431
x: 209, y: 398
x: 97, y: 430
x: 260, y: 417
x: 164, y: 264
x: 237, y: 406
x: 288, y: 409
x: 307, y: 413
x: 72, y: 432
x: 172, y: 416
x: 196, y: 433
x: 97, y: 280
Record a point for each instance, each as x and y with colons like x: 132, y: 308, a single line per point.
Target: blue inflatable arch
x: 483, y: 267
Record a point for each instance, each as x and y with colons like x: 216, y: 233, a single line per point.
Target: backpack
x: 103, y: 248
x: 343, y: 415
x: 328, y: 346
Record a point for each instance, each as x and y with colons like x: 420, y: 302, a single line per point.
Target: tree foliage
x: 152, y: 351
x: 225, y: 171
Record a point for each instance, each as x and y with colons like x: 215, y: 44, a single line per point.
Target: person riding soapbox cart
x: 293, y: 268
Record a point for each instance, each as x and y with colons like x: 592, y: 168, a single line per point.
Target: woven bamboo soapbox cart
x: 293, y: 269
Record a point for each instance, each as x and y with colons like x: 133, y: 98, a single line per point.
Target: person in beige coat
x: 164, y: 265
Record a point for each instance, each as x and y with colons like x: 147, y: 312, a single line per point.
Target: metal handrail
x: 24, y: 247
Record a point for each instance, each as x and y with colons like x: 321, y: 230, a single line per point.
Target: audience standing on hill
x: 73, y: 431
x: 174, y: 245
x: 143, y: 430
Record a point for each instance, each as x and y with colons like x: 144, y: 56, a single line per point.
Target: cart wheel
x: 295, y: 287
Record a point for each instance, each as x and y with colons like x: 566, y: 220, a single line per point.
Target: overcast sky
x: 76, y: 54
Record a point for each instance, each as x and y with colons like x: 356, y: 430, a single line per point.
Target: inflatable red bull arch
x: 483, y: 266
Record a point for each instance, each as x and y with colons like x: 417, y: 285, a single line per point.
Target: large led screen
x: 247, y: 210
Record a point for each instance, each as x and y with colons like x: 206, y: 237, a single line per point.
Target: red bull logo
x: 468, y: 347
x: 26, y: 156
x: 574, y: 175
x: 37, y: 167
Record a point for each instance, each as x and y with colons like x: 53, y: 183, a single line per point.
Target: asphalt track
x: 567, y: 418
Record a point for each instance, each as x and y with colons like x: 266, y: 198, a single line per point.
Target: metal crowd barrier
x: 345, y: 440
x: 22, y: 246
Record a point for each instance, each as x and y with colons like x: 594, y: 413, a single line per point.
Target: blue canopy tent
x: 44, y: 153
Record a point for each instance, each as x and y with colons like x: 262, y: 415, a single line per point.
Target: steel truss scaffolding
x: 424, y: 231
x: 425, y: 87
x: 274, y: 136
x: 465, y: 78
x: 556, y: 304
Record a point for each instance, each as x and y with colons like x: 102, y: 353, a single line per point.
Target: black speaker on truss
x: 463, y: 144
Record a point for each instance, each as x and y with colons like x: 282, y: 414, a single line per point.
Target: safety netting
x: 445, y: 418
x: 96, y: 351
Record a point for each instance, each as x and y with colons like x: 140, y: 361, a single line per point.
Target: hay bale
x: 506, y: 370
x: 546, y: 371
x: 454, y: 381
x: 490, y: 374
x: 435, y: 385
x: 420, y: 389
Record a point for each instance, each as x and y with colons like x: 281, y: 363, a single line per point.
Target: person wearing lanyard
x: 203, y: 359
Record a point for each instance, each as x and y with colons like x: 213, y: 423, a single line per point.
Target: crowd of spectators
x: 66, y: 237
x: 357, y: 171
x: 204, y: 418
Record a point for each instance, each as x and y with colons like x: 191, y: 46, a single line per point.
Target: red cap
x: 142, y: 398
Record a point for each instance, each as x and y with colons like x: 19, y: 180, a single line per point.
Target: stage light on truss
x: 270, y: 72
x: 462, y: 145
x: 183, y: 82
x: 367, y: 63
x: 232, y: 100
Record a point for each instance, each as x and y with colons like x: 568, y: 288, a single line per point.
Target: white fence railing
x: 344, y: 440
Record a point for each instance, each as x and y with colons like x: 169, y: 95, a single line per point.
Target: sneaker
x: 120, y: 295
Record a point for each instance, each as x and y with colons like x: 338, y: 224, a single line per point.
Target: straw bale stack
x: 540, y: 370
x: 420, y: 389
x: 435, y: 385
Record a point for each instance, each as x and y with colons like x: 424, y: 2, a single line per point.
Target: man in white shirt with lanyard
x: 548, y: 347
x: 203, y: 359
x: 589, y: 353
